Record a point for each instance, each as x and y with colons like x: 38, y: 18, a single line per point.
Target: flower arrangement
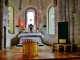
x: 23, y: 28
x: 37, y: 28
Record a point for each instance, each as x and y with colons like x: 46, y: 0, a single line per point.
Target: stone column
x: 78, y: 5
x: 67, y: 10
x: 64, y: 10
x: 68, y: 18
x: 72, y: 11
x: 72, y: 18
x: 60, y: 10
x: 1, y: 25
x: 79, y: 21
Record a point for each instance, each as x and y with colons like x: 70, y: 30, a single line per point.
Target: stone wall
x: 77, y: 27
x: 64, y: 12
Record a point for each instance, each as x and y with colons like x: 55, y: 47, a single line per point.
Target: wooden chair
x: 78, y: 47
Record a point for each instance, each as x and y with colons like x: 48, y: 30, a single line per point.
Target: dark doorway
x: 4, y: 37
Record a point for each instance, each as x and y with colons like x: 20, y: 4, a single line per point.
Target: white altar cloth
x: 34, y: 34
x: 34, y: 39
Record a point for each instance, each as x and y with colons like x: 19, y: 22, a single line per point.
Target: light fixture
x: 21, y: 23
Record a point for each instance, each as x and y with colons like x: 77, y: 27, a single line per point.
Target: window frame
x: 49, y: 19
x: 12, y: 19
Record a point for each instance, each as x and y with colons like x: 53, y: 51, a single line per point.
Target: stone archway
x: 35, y: 17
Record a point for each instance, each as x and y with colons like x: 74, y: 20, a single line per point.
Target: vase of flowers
x: 37, y: 29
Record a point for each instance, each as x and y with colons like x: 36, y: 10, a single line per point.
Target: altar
x: 35, y: 37
x: 28, y: 39
x: 34, y: 34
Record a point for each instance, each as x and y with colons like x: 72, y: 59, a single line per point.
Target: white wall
x: 10, y: 36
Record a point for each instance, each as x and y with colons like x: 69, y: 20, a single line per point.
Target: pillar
x: 60, y: 9
x: 72, y: 11
x: 68, y: 18
x: 1, y: 25
x: 78, y: 5
x: 64, y: 10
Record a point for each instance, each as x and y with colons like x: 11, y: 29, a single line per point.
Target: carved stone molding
x: 41, y: 4
x: 20, y: 5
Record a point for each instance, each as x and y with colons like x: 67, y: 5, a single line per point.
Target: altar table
x: 34, y: 34
x: 26, y: 39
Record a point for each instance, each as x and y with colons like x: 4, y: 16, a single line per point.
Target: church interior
x: 39, y: 29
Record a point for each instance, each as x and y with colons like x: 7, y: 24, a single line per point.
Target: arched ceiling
x: 39, y: 4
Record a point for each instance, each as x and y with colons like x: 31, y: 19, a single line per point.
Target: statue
x: 31, y: 27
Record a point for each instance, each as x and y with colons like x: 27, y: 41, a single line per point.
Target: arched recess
x: 32, y: 9
x: 50, y: 20
x: 10, y: 19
